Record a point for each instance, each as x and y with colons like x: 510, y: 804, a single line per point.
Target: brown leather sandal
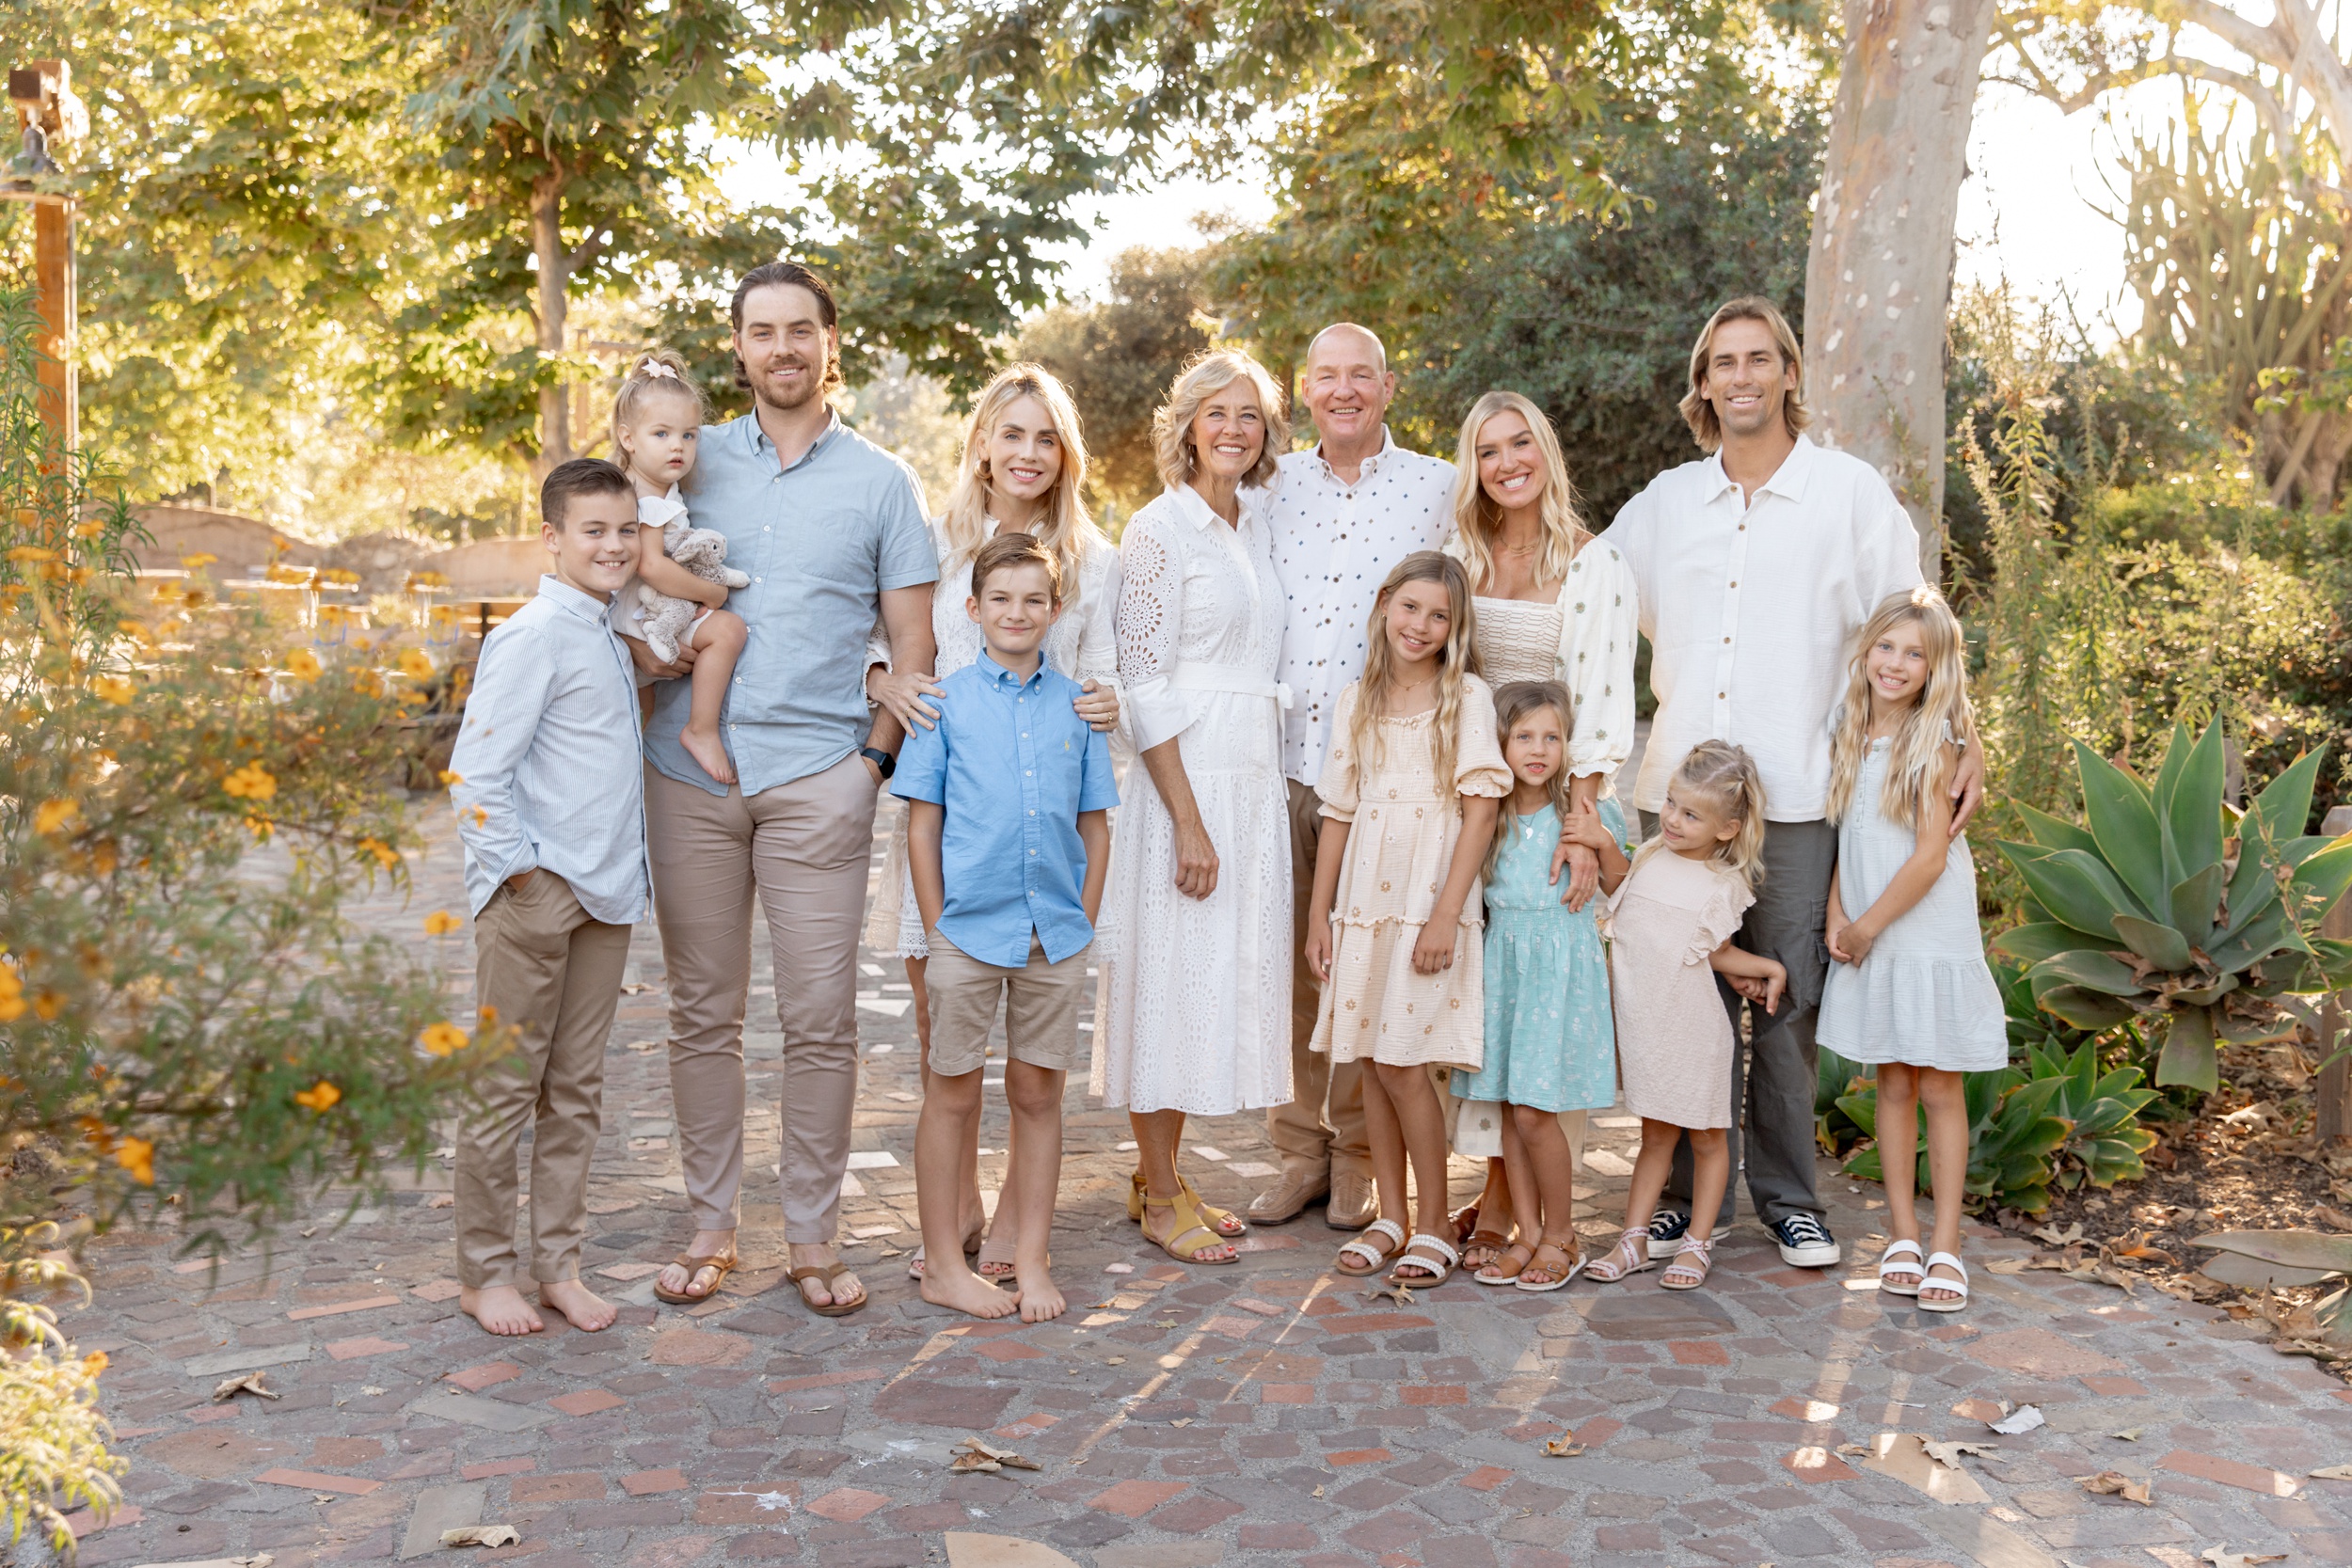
x: 723, y: 1261
x: 825, y: 1276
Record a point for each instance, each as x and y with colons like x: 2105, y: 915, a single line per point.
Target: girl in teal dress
x: 1550, y: 1045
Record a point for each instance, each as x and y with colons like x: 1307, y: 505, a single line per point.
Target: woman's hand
x: 1318, y: 950
x: 1433, y: 951
x: 1196, y: 861
x: 901, y: 695
x: 1099, y: 706
x: 1967, y: 789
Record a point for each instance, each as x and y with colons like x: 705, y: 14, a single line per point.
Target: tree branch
x: 588, y: 251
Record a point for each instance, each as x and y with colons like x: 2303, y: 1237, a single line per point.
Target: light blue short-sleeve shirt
x: 820, y: 540
x: 1014, y: 768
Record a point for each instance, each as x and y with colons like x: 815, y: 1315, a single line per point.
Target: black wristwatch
x: 884, y: 763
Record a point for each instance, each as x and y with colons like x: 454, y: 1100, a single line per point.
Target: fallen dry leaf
x: 2023, y: 1418
x: 2333, y: 1472
x: 482, y: 1535
x: 966, y: 1463
x: 2221, y: 1556
x: 980, y: 1454
x: 2051, y: 1235
x: 1559, y: 1448
x: 1401, y: 1294
x: 2335, y: 1219
x: 2008, y: 1265
x: 251, y: 1382
x: 1851, y: 1448
x: 1948, y: 1454
x: 1987, y: 1410
x: 2129, y: 1435
x: 2110, y: 1483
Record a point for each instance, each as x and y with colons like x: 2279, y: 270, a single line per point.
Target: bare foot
x: 586, y: 1310
x: 704, y: 747
x: 846, y: 1288
x: 959, y: 1288
x: 1041, y: 1301
x: 706, y: 1243
x: 500, y: 1310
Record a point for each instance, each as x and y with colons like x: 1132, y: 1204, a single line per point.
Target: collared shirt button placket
x: 1731, y: 623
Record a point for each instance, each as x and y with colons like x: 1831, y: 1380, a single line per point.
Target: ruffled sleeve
x: 1598, y: 610
x: 1718, y: 918
x: 1336, y: 785
x: 1478, y: 764
x: 1151, y: 609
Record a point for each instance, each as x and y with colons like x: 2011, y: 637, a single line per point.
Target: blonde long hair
x: 1919, y: 755
x: 1725, y: 777
x: 1476, y: 517
x: 1065, y: 528
x: 1514, y: 702
x: 1203, y: 378
x: 1699, y: 414
x: 1456, y: 661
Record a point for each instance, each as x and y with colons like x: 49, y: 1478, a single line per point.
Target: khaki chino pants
x: 1303, y: 1139
x: 801, y: 849
x: 553, y: 972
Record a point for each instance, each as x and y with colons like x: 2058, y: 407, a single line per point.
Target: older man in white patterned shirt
x: 1343, y: 513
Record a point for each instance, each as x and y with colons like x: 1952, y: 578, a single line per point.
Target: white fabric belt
x: 1193, y: 675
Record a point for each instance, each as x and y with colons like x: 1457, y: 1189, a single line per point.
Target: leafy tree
x: 1120, y: 356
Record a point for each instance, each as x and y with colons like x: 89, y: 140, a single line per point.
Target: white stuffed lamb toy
x: 702, y: 551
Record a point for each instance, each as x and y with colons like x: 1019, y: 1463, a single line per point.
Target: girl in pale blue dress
x: 1909, y: 990
x: 1550, y: 1046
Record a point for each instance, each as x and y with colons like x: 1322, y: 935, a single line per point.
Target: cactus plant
x: 2169, y: 903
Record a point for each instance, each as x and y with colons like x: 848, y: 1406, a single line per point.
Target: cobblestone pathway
x: 1267, y: 1413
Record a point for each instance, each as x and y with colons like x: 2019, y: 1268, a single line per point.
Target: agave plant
x: 2296, y: 1257
x: 2170, y: 906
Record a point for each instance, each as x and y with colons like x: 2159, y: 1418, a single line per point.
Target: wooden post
x: 2333, y: 1092
x: 42, y: 96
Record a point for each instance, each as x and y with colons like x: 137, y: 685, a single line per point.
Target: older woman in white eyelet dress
x: 1193, y: 1011
x: 1553, y: 604
x: 1023, y: 468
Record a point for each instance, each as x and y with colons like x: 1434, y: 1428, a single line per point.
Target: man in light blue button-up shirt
x: 830, y: 529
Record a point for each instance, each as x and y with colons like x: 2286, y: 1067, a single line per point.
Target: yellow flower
x: 303, y: 665
x: 417, y: 664
x: 440, y: 923
x: 112, y: 688
x: 137, y: 1156
x: 250, y: 782
x: 95, y: 1362
x: 259, y: 827
x: 386, y: 856
x: 11, y: 995
x: 31, y: 553
x: 442, y: 1038
x: 47, y: 1004
x: 450, y: 780
x: 481, y: 817
x: 367, y: 682
x: 320, y: 1096
x: 200, y: 558
x: 50, y: 815
x: 490, y: 1017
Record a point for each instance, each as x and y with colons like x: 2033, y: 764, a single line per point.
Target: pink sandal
x: 1683, y: 1275
x: 1631, y: 1256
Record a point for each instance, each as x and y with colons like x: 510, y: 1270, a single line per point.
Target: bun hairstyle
x: 1920, y: 753
x: 1456, y: 661
x: 658, y: 373
x: 1514, y: 702
x: 1723, y: 777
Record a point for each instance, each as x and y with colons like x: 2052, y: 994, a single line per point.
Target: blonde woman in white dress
x: 1553, y: 604
x: 1192, y: 1016
x: 1022, y: 471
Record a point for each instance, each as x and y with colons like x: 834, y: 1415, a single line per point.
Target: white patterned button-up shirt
x: 1748, y: 606
x: 1334, y: 545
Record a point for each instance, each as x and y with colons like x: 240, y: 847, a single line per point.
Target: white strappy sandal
x: 1361, y: 1258
x: 1417, y: 1252
x: 1892, y: 1263
x: 1958, y: 1287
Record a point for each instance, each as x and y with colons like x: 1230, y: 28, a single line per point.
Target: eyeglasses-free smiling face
x: 1015, y: 609
x: 1345, y: 386
x: 1024, y: 453
x: 1420, y: 616
x: 1746, y: 379
x: 1510, y: 463
x: 1897, y: 666
x: 1692, y: 825
x: 785, y: 346
x: 1229, y: 431
x: 596, y: 546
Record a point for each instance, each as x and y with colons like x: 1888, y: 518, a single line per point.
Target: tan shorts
x: 1040, y: 1004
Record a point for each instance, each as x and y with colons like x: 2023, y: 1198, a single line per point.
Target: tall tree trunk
x: 554, y: 300
x: 1878, y: 280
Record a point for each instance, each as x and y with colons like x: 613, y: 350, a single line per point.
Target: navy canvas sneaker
x: 1804, y: 1241
x: 1667, y: 1230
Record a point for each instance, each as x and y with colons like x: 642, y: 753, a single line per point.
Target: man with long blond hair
x: 1344, y: 513
x: 1756, y: 565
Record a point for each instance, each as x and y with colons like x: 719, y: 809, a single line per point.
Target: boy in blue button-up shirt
x: 1008, y: 839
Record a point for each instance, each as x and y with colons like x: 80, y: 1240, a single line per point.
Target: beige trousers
x: 1302, y: 1138
x: 553, y: 972
x: 802, y: 848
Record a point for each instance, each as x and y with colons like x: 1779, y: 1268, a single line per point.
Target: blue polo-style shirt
x: 1014, y: 765
x: 820, y: 540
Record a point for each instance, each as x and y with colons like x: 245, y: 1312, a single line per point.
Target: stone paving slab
x: 1271, y: 1412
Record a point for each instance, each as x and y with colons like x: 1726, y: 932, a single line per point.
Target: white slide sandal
x: 1892, y: 1262
x: 1959, y: 1287
x: 1373, y: 1257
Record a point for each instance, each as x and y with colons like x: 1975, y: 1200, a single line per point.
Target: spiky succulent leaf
x: 2267, y: 933
x: 2124, y: 824
x: 2284, y: 805
x: 2196, y: 904
x: 2326, y: 875
x: 2073, y: 885
x: 2055, y: 833
x: 2046, y: 939
x: 2188, y: 1059
x: 2290, y: 1249
x: 2086, y: 1009
x: 2191, y: 816
x: 2161, y: 946
x: 2098, y: 972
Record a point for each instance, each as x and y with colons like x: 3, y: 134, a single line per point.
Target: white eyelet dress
x: 1193, y: 1006
x: 1082, y: 645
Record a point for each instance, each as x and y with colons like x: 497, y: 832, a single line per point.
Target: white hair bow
x: 655, y: 367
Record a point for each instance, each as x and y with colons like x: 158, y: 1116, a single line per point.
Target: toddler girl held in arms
x: 1410, y: 794
x: 1672, y: 914
x: 656, y: 418
x: 1908, y: 988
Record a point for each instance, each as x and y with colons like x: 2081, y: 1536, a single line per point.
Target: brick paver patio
x: 1272, y: 1412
